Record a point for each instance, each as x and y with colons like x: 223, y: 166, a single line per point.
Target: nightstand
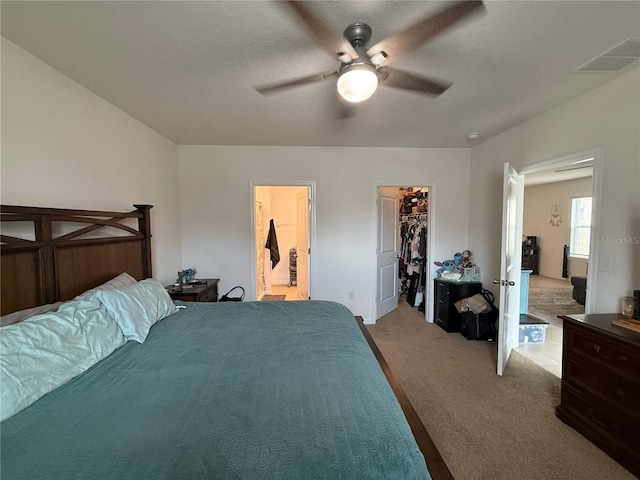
x: 196, y: 293
x: 446, y: 294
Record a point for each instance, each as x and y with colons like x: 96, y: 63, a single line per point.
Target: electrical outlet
x: 352, y: 295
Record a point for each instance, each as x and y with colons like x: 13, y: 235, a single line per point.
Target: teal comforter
x: 268, y: 390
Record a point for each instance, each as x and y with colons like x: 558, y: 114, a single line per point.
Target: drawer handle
x: 622, y: 358
x: 596, y: 347
x: 620, y: 392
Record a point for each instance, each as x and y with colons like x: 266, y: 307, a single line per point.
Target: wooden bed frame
x: 48, y: 269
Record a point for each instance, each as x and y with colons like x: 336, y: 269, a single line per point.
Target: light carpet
x: 486, y: 427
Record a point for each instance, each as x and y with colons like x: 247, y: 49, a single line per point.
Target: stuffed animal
x: 446, y: 266
x: 467, y: 260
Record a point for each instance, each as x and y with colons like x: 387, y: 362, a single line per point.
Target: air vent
x: 615, y: 58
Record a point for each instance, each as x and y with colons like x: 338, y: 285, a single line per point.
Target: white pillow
x: 136, y: 308
x: 21, y: 315
x: 46, y: 351
x: 121, y: 280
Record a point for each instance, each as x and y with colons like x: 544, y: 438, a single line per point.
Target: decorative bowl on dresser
x: 600, y: 392
x: 207, y: 291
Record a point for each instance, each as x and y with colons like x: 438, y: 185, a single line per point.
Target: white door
x: 510, y: 265
x: 302, y: 243
x: 387, y: 256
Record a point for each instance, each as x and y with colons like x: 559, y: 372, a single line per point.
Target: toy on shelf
x: 187, y: 275
x: 461, y: 268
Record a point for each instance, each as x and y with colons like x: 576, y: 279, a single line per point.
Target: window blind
x: 580, y: 227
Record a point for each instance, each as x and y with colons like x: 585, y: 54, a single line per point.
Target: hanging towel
x: 272, y: 245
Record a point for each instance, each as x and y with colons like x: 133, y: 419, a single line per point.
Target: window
x: 580, y: 227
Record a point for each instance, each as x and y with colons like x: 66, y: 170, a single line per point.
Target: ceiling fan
x: 362, y: 68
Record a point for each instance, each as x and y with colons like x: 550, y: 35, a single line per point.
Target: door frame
x: 311, y: 185
x: 431, y: 267
x: 597, y: 154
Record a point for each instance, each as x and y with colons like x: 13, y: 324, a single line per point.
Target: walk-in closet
x: 413, y: 229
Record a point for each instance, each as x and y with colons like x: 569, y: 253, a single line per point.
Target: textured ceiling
x: 187, y: 69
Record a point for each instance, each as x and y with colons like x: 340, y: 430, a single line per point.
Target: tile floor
x: 290, y: 292
x: 548, y: 354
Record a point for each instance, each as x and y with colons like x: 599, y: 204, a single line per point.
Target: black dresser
x: 446, y: 294
x: 600, y: 392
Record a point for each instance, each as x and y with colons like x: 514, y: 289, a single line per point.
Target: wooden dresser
x: 600, y: 393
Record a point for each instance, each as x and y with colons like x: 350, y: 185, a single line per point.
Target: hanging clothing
x: 413, y: 235
x: 272, y: 245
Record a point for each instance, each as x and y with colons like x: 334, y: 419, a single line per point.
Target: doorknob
x: 512, y: 283
x: 496, y: 281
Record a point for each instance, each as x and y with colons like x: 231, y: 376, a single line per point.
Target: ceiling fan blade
x: 407, y: 81
x: 418, y: 34
x: 277, y: 87
x: 336, y: 45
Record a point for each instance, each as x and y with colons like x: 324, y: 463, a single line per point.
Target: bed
x: 238, y: 390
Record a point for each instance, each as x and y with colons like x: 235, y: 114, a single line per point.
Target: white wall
x: 65, y: 147
x: 216, y: 222
x: 538, y: 202
x: 608, y: 117
x: 283, y: 212
x: 51, y: 127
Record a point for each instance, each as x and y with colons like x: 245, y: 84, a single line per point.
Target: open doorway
x: 551, y: 265
x: 403, y: 246
x: 282, y: 225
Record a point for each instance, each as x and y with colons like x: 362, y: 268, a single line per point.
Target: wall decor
x: 556, y: 215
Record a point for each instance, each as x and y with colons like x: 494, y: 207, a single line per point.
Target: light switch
x: 605, y: 264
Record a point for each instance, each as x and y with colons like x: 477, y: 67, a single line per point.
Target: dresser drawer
x: 442, y: 322
x: 442, y: 291
x: 209, y: 295
x: 586, y: 344
x: 618, y: 432
x: 619, y: 393
x: 442, y: 307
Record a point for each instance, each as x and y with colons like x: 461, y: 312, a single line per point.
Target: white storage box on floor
x: 533, y: 333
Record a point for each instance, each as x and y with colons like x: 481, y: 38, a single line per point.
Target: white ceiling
x: 555, y: 175
x: 187, y: 68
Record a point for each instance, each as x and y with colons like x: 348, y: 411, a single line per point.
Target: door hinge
x: 309, y: 251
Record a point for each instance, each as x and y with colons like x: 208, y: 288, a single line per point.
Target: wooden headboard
x: 68, y: 252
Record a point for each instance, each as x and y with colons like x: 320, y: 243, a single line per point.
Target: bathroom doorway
x: 282, y: 225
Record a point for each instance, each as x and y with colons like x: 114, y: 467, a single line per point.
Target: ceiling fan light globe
x: 357, y: 85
